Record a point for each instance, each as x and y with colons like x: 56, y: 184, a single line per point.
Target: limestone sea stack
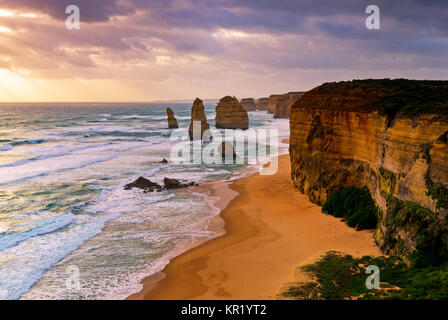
x: 172, y: 121
x: 262, y: 104
x: 227, y: 150
x: 230, y: 114
x: 198, y: 114
x: 249, y: 104
x: 355, y: 134
x: 284, y: 102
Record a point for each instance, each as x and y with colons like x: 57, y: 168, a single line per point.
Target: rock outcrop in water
x: 172, y: 121
x: 144, y: 184
x: 230, y: 114
x: 249, y: 104
x: 149, y: 186
x: 227, y: 150
x: 262, y: 104
x: 389, y: 136
x: 177, y: 184
x: 198, y: 114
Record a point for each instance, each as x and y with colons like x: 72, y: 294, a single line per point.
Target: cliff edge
x: 389, y: 136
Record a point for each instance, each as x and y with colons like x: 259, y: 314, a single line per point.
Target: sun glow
x: 5, y: 13
x: 28, y: 15
x: 5, y: 30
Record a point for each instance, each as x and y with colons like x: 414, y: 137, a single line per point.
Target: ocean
x: 63, y: 206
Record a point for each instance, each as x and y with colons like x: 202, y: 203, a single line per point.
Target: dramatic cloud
x: 170, y: 49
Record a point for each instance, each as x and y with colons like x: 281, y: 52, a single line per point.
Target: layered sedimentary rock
x: 172, y: 121
x: 389, y: 136
x: 230, y: 114
x: 249, y: 104
x: 272, y: 103
x: 280, y: 105
x: 198, y: 115
x: 227, y: 150
x: 262, y: 104
x: 284, y: 102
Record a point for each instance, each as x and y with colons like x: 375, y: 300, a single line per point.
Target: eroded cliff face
x: 348, y: 134
x: 262, y: 104
x: 280, y: 105
x: 284, y: 102
x: 249, y: 104
x: 272, y: 103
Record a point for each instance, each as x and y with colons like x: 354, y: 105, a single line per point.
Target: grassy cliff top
x: 394, y: 98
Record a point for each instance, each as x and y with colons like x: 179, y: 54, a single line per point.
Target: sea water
x: 63, y: 206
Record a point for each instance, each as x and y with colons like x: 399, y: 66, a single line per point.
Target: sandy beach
x: 270, y: 229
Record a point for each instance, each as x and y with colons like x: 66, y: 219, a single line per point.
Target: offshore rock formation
x: 149, y: 186
x: 389, y: 136
x: 230, y: 114
x: 227, y: 150
x: 172, y: 121
x: 198, y: 114
x: 249, y: 104
x: 177, y: 184
x: 262, y: 104
x: 144, y: 184
x: 284, y: 102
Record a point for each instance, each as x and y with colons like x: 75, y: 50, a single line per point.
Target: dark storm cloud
x: 92, y: 10
x: 281, y: 34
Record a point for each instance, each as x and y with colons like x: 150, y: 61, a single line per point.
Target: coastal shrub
x: 437, y: 192
x: 337, y: 276
x: 426, y: 230
x: 355, y: 206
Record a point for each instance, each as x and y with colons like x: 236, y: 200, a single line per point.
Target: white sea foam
x: 67, y: 205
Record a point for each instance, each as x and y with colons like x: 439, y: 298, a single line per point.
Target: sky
x: 146, y: 50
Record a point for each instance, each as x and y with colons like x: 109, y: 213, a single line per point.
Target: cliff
x: 272, y: 103
x: 284, y: 102
x: 262, y: 104
x: 198, y: 114
x: 389, y: 136
x: 249, y: 104
x: 172, y: 121
x: 280, y: 105
x: 230, y: 114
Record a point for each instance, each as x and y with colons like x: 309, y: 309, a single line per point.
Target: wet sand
x: 270, y: 229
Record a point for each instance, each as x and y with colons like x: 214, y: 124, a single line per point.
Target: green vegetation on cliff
x: 399, y: 97
x: 337, y: 276
x: 355, y: 206
x: 406, y: 219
